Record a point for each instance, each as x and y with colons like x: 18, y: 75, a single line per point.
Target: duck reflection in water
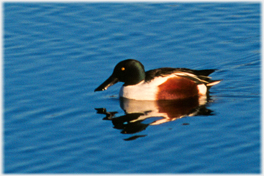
x: 137, y: 111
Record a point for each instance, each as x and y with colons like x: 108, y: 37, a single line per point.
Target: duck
x: 165, y: 83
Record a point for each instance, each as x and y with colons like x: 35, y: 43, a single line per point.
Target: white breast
x: 142, y: 90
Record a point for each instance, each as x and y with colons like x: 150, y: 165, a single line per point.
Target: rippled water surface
x: 56, y: 54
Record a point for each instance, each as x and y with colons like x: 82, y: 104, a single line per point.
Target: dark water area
x: 56, y: 54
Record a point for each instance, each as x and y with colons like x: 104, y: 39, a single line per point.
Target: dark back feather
x: 202, y: 74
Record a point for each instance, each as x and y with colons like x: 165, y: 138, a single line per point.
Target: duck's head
x: 129, y: 71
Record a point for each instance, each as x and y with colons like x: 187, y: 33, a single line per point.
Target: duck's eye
x: 123, y: 68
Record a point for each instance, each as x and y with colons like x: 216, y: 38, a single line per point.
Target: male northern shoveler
x: 158, y: 84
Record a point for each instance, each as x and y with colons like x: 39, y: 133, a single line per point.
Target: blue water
x: 56, y: 54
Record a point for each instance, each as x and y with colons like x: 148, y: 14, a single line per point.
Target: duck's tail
x: 213, y: 82
x: 204, y: 72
